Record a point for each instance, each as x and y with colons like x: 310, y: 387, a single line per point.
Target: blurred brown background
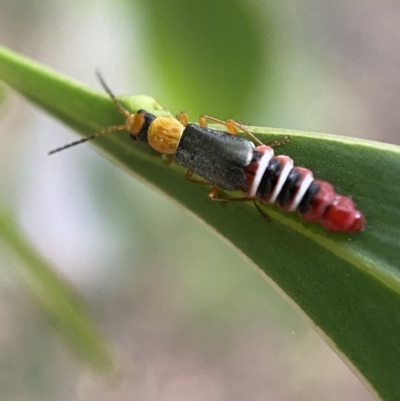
x: 187, y: 317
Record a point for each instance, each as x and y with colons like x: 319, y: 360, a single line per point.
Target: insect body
x: 229, y: 162
x: 216, y: 156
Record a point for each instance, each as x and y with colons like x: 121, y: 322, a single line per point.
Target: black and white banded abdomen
x: 275, y: 179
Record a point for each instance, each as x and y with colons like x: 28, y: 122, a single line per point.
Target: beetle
x: 228, y: 162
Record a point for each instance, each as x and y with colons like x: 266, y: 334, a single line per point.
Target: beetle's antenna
x: 96, y: 135
x: 113, y: 128
x: 112, y: 96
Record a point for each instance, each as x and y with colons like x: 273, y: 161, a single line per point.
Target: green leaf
x: 220, y: 78
x: 61, y: 305
x: 347, y: 285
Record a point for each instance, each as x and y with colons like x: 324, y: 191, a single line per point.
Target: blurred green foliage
x: 208, y: 55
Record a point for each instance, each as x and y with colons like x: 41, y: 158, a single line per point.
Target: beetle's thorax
x: 164, y: 134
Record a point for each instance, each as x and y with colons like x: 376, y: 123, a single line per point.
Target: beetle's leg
x: 232, y: 127
x: 215, y: 191
x: 189, y: 177
x: 168, y: 159
x: 183, y: 118
x: 215, y: 195
x: 262, y: 211
x: 277, y: 142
